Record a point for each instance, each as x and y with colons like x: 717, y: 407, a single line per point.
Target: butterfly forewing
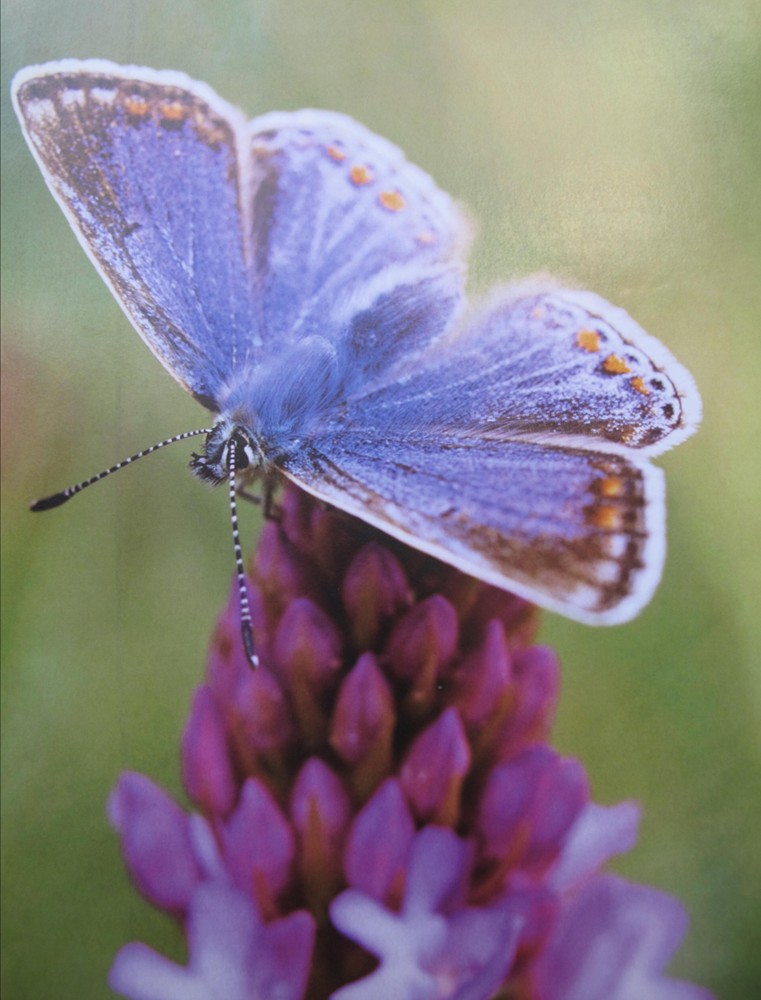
x: 146, y: 170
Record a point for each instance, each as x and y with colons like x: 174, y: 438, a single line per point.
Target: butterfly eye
x: 245, y: 454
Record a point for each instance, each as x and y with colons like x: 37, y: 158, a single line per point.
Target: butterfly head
x: 212, y: 466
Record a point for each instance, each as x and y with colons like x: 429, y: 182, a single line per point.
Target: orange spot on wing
x: 360, y: 175
x: 173, y: 112
x: 610, y: 487
x: 391, y: 200
x: 588, y: 340
x: 615, y: 365
x: 538, y: 312
x: 640, y: 385
x: 606, y: 517
x: 335, y: 153
x: 425, y: 239
x: 136, y: 106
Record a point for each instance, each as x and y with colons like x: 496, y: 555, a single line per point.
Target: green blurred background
x: 614, y: 143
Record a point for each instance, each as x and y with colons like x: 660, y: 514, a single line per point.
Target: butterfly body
x: 305, y: 283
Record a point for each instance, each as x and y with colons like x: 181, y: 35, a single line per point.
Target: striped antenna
x: 246, y: 623
x: 47, y: 503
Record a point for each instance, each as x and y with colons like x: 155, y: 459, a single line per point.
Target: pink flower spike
x: 612, y: 943
x: 156, y: 842
x: 434, y: 768
x: 362, y: 727
x: 258, y: 846
x: 393, y: 692
x: 206, y: 766
x: 233, y: 956
x: 378, y: 845
x: 375, y: 587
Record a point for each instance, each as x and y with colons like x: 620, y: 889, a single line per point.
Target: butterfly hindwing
x: 546, y: 364
x: 511, y: 450
x: 350, y: 241
x: 577, y: 531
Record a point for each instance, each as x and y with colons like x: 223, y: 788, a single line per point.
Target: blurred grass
x: 617, y: 144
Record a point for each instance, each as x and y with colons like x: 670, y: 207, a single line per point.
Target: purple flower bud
x: 261, y: 724
x: 207, y: 769
x: 378, y: 846
x: 308, y: 655
x: 536, y: 682
x: 483, y: 688
x: 528, y: 806
x: 155, y: 841
x: 422, y: 642
x: 362, y: 727
x: 258, y: 864
x: 434, y: 769
x: 375, y: 588
x: 320, y: 811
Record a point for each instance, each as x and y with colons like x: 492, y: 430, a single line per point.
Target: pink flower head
x: 378, y: 813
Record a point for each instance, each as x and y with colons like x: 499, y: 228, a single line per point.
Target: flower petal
x: 435, y: 948
x: 598, y: 834
x: 155, y: 840
x: 233, y: 956
x: 612, y: 943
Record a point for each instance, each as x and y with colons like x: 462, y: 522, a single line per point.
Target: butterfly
x: 305, y: 283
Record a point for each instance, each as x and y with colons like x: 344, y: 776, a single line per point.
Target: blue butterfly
x: 305, y: 283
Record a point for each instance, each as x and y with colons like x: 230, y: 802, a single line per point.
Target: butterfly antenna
x: 246, y: 623
x: 47, y: 503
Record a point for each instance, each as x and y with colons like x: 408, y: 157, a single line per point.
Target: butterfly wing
x: 145, y: 165
x: 579, y: 532
x: 224, y: 240
x: 351, y: 242
x: 546, y: 364
x: 513, y: 451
